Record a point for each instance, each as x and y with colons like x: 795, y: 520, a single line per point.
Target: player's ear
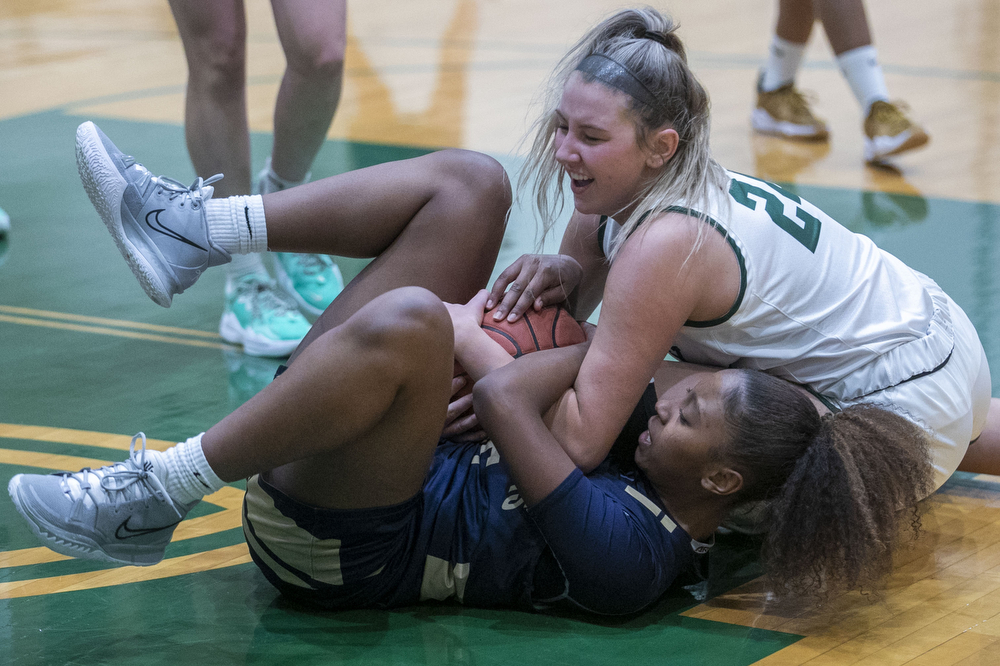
x: 663, y: 145
x: 722, y: 481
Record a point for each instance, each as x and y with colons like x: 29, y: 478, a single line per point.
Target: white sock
x: 863, y: 73
x: 783, y: 60
x: 188, y: 475
x: 236, y: 224
x: 245, y: 264
x: 272, y: 182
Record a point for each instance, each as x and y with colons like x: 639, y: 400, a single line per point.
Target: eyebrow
x: 584, y: 126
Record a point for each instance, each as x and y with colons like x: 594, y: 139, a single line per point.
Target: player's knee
x: 408, y: 320
x: 479, y: 177
x: 323, y: 61
x: 222, y: 72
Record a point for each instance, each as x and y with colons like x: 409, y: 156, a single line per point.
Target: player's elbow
x: 492, y: 400
x: 583, y: 456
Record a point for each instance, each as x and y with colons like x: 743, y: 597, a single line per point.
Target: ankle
x: 784, y: 59
x: 189, y: 477
x: 237, y: 224
x: 270, y: 181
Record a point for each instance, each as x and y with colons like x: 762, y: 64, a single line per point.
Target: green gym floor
x: 88, y: 360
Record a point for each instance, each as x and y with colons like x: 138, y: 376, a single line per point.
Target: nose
x: 663, y: 410
x: 566, y: 152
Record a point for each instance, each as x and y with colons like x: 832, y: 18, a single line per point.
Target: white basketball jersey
x: 819, y: 305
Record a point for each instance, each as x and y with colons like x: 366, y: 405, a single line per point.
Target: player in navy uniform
x: 353, y: 500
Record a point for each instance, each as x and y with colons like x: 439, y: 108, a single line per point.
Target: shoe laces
x: 310, y: 264
x: 193, y: 193
x: 888, y: 118
x: 174, y: 188
x: 261, y: 294
x: 797, y: 101
x: 118, y: 480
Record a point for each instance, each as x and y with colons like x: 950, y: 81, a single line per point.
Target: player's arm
x: 580, y: 241
x: 511, y: 403
x: 653, y: 288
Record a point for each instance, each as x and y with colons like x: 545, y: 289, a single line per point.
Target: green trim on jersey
x: 829, y: 404
x: 715, y: 224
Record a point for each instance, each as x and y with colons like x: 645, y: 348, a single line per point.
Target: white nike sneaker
x: 120, y: 513
x: 158, y: 223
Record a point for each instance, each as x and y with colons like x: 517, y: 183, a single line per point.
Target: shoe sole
x: 105, y: 186
x: 78, y: 547
x: 762, y: 122
x: 254, y: 345
x: 876, y: 150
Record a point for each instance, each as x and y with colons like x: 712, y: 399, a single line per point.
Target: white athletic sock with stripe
x: 863, y: 73
x: 783, y: 60
x: 236, y: 224
x: 185, y: 472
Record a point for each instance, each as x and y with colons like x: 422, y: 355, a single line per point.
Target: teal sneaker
x: 262, y: 319
x: 313, y: 280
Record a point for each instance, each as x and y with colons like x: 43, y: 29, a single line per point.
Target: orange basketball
x: 548, y: 328
x: 551, y: 327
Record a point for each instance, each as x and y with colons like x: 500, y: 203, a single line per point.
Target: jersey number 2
x: 806, y: 233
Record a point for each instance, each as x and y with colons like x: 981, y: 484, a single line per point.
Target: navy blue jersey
x: 601, y: 541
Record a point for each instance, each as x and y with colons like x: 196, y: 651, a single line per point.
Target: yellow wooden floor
x: 463, y: 73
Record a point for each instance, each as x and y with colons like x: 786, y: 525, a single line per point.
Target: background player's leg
x: 355, y: 422
x: 845, y: 23
x: 255, y: 313
x: 313, y: 37
x: 215, y: 107
x: 795, y: 20
x: 781, y: 109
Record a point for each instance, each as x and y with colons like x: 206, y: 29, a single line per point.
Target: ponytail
x: 838, y: 517
x: 836, y: 487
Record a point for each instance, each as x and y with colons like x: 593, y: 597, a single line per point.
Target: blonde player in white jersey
x: 777, y: 286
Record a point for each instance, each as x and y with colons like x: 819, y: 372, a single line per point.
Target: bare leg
x: 795, y: 20
x: 983, y: 456
x: 356, y: 422
x: 845, y: 23
x: 435, y: 222
x: 342, y: 426
x: 314, y: 38
x: 215, y: 123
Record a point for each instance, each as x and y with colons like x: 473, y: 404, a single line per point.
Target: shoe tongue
x: 207, y: 191
x: 144, y: 181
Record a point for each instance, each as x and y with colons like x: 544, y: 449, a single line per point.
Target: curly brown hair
x: 838, y: 487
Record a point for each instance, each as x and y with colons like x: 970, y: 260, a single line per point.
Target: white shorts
x: 950, y: 403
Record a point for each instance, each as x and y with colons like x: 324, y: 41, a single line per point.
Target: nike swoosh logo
x: 161, y: 228
x: 125, y: 532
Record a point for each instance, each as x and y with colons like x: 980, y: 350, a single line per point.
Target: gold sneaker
x: 785, y: 112
x: 888, y: 132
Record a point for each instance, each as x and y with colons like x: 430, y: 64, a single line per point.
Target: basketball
x: 549, y: 328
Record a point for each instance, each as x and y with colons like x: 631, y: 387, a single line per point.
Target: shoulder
x: 674, y: 248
